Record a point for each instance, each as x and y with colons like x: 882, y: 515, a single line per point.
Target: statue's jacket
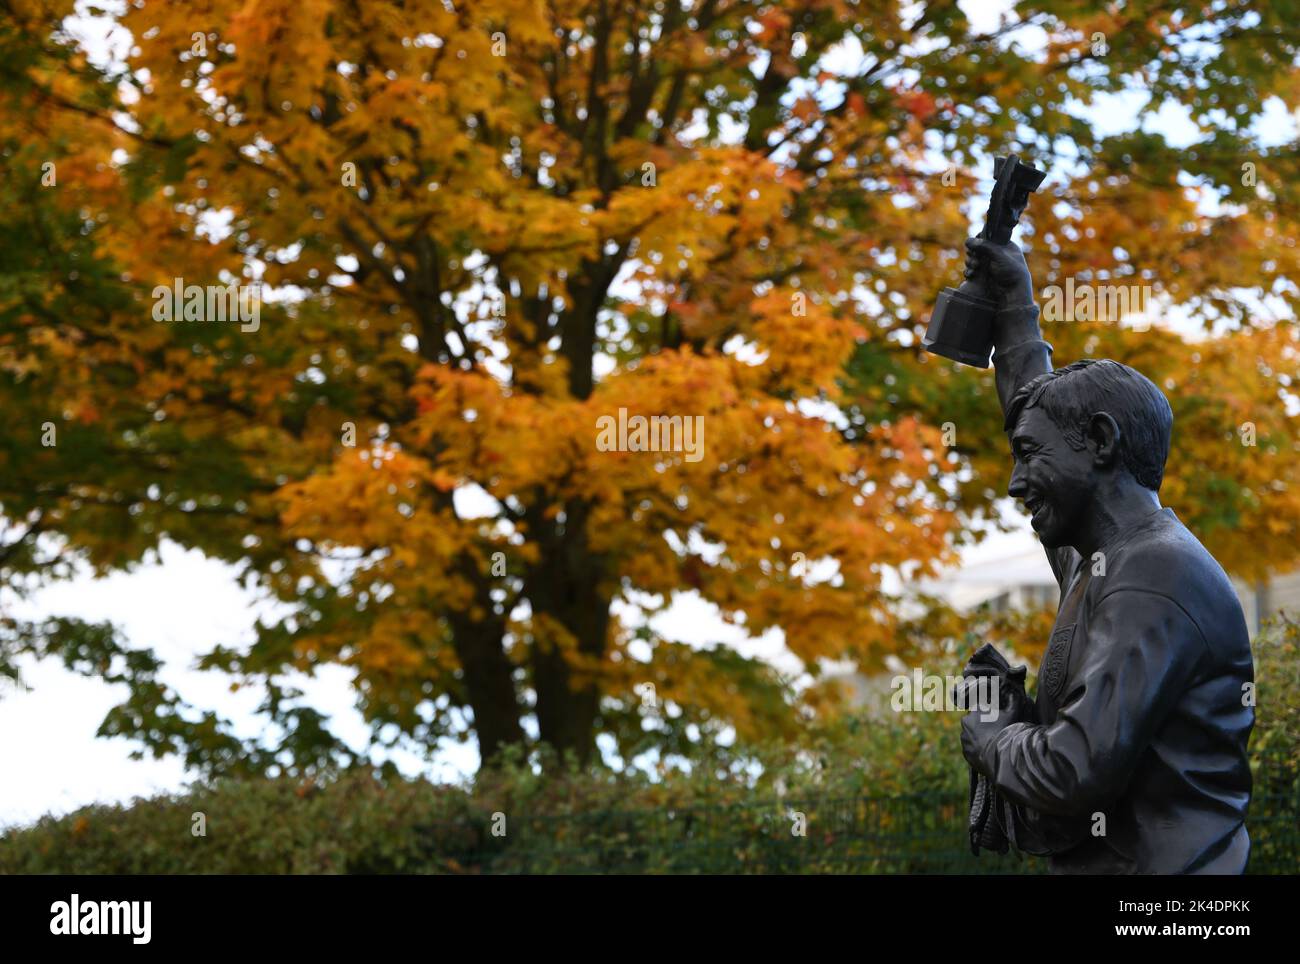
x: 1135, y: 760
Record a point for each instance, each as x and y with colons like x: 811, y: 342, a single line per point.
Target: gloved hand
x: 979, y: 726
x: 1013, y: 702
x: 976, y: 732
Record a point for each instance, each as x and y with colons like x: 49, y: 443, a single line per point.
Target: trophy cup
x: 961, y: 325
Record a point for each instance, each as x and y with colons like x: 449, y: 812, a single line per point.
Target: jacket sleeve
x: 1141, y: 653
x: 1023, y: 359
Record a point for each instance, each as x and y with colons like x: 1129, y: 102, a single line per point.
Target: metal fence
x: 918, y: 834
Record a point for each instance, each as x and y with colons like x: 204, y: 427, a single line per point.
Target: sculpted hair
x: 1070, y: 396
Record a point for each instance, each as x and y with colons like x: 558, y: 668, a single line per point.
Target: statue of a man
x: 1132, y: 759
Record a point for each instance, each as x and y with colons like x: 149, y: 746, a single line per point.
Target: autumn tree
x: 485, y: 227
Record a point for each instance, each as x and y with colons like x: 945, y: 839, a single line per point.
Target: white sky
x: 185, y: 604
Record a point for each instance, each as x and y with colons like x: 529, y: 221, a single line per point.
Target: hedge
x: 874, y: 794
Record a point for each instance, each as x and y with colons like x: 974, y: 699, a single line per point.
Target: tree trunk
x: 489, y: 685
x: 565, y: 584
x: 565, y: 587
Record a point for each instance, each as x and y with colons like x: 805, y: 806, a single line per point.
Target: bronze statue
x: 1132, y: 757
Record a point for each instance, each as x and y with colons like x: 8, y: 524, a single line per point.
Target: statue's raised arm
x: 994, y: 310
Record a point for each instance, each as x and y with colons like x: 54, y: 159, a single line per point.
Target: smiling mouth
x: 1033, y: 504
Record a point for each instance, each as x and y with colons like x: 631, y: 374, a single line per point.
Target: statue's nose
x: 1017, y: 488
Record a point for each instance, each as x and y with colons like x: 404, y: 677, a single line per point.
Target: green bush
x: 878, y: 793
x: 1274, y: 819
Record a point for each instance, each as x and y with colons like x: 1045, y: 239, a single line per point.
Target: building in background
x: 1264, y: 600
x: 1022, y: 579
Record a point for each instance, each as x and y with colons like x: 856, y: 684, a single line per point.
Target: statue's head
x: 1074, y: 429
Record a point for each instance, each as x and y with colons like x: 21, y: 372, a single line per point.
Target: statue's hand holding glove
x: 991, y: 820
x: 988, y: 673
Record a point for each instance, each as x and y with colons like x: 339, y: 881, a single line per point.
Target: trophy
x: 961, y: 325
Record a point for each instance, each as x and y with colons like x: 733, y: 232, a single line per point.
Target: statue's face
x: 1055, y: 482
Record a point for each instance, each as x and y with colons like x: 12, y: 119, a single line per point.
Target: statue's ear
x: 1104, y: 439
